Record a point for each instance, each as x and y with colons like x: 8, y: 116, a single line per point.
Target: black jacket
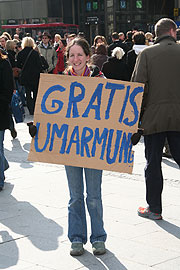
x: 115, y: 44
x: 32, y: 69
x: 11, y: 56
x: 6, y: 91
x: 115, y: 69
x: 131, y: 61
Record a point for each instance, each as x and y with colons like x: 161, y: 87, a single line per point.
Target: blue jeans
x: 77, y: 226
x: 3, y: 161
x: 154, y: 145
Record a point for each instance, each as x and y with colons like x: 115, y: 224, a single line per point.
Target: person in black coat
x: 139, y: 41
x: 10, y: 50
x: 116, y: 42
x: 115, y: 67
x: 128, y: 41
x: 31, y: 70
x: 6, y: 91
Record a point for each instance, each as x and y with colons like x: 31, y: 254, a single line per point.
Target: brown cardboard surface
x: 72, y: 135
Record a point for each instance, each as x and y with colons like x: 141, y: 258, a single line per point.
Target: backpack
x: 17, y: 108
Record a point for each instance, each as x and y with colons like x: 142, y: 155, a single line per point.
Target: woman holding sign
x: 78, y: 54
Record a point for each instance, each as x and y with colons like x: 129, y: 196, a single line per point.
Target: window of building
x: 110, y: 29
x: 102, y: 5
x: 88, y: 6
x: 110, y: 17
x: 122, y: 27
x: 110, y: 9
x: 139, y: 4
x: 109, y: 3
x: 140, y: 17
x: 123, y: 4
x: 122, y: 17
x: 54, y: 9
x: 137, y: 17
x: 95, y: 5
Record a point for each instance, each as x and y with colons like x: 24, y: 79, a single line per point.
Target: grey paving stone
x: 173, y: 264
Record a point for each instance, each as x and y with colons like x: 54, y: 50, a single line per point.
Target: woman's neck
x: 83, y: 72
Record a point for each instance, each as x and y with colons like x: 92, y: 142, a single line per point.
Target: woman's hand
x: 32, y: 129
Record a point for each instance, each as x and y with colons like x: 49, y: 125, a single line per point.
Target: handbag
x: 17, y: 108
x: 16, y: 71
x: 21, y: 74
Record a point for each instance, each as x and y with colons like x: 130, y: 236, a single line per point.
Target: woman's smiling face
x: 78, y: 59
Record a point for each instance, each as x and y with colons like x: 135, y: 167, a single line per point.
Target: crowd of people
x: 136, y: 56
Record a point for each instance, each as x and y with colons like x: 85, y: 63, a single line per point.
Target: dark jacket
x: 131, y: 57
x: 6, y: 91
x: 131, y: 61
x: 115, y: 44
x: 115, y: 69
x: 11, y: 56
x: 129, y: 44
x: 99, y: 59
x: 32, y: 69
x: 157, y: 67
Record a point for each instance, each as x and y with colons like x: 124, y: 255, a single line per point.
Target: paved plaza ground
x: 33, y: 216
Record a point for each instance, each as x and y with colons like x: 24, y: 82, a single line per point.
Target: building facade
x: 104, y: 17
x: 33, y: 11
x: 93, y: 16
x: 23, y: 11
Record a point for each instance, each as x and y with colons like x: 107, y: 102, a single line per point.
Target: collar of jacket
x: 138, y: 48
x: 159, y: 39
x: 48, y: 47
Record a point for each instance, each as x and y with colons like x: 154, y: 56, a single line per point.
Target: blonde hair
x: 148, y: 35
x: 28, y: 42
x: 7, y: 35
x: 118, y: 53
x: 2, y: 56
x: 10, y: 44
x: 99, y: 37
x: 15, y: 41
x: 58, y: 36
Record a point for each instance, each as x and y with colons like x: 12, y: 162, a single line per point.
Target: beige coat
x: 50, y: 55
x: 158, y: 66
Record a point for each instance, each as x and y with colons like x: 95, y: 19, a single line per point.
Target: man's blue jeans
x: 154, y: 145
x: 77, y: 226
x: 3, y: 161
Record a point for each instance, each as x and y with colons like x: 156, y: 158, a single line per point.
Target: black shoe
x: 1, y: 188
x: 14, y: 133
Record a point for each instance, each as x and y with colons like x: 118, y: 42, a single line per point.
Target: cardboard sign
x: 86, y: 122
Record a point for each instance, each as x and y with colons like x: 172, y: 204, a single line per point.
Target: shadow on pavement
x: 169, y: 227
x: 107, y: 261
x: 28, y: 222
x: 4, y: 261
x: 19, y: 154
x: 170, y: 163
